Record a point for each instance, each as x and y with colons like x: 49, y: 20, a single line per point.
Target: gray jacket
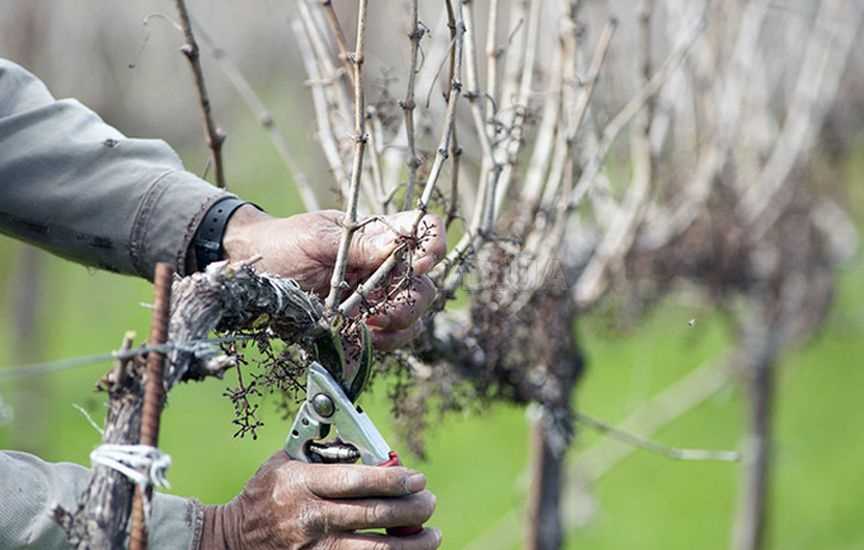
x: 30, y: 489
x: 73, y: 185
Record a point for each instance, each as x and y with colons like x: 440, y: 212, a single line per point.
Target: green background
x: 477, y: 464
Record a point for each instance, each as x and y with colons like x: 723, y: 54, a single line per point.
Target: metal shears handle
x: 327, y: 405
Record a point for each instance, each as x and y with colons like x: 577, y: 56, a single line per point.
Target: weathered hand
x: 293, y: 505
x: 304, y: 248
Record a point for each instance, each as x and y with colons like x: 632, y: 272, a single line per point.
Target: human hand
x: 304, y: 248
x: 294, y: 505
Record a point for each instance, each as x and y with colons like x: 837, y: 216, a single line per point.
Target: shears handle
x: 399, y: 531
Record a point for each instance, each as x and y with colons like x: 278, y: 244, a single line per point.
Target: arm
x: 30, y: 489
x: 285, y: 505
x: 77, y: 187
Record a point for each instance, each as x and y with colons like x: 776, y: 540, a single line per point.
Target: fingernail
x: 415, y: 483
x: 437, y: 536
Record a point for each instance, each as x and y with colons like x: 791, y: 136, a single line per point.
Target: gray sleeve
x: 77, y: 187
x: 30, y: 489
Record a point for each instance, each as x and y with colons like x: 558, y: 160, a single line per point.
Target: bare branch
x: 319, y: 100
x: 337, y: 104
x: 621, y: 232
x: 103, y: 509
x: 414, y: 36
x: 376, y: 140
x: 514, y: 118
x: 818, y: 80
x: 265, y: 118
x: 348, y: 226
x: 492, y: 50
x: 341, y: 42
x: 441, y: 155
x: 598, y: 460
x: 631, y: 109
x: 544, y: 142
x: 453, y: 208
x: 639, y: 442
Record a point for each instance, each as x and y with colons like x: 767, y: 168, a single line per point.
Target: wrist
x: 220, y: 528
x: 208, y: 243
x: 238, y: 241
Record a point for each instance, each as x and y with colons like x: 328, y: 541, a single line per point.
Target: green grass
x: 476, y: 464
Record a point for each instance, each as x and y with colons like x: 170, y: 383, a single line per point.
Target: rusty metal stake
x: 153, y: 393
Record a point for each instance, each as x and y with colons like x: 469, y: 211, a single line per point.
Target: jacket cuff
x: 167, y: 219
x: 175, y: 523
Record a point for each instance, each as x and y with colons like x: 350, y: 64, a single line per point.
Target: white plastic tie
x: 142, y: 464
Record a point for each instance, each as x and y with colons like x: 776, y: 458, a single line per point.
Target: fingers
x: 432, y: 245
x: 385, y: 340
x: 355, y: 481
x: 406, y: 307
x: 378, y: 239
x: 375, y: 513
x: 428, y: 539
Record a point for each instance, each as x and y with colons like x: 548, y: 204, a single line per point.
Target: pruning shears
x: 329, y: 405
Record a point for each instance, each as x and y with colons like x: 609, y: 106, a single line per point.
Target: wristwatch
x: 207, y: 243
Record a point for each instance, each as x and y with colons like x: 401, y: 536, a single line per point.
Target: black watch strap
x: 207, y: 243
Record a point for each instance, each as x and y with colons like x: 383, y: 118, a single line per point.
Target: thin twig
x: 544, y: 143
x: 602, y: 457
x: 492, y: 51
x: 453, y: 207
x: 256, y: 105
x: 414, y: 36
x: 515, y: 119
x: 88, y: 418
x: 490, y: 169
x: 639, y: 442
x: 319, y: 101
x: 376, y: 139
x: 483, y: 124
x: 621, y: 231
x: 341, y: 42
x: 631, y: 109
x: 214, y: 135
x: 816, y: 86
x: 441, y: 155
x: 337, y: 105
x: 396, y: 151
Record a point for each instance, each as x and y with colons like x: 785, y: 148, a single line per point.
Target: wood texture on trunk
x: 555, y: 348
x: 763, y: 332
x: 754, y: 507
x: 227, y: 296
x: 545, y: 525
x: 104, y: 506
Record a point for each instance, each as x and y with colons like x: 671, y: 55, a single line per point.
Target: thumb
x: 367, y: 252
x: 377, y: 240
